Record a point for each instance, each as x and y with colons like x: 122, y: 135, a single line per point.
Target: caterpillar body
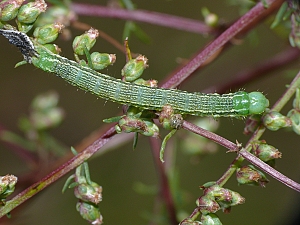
x: 237, y: 104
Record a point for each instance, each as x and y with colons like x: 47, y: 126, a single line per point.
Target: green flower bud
x: 207, y: 205
x: 7, y: 185
x: 251, y: 176
x: 44, y: 111
x: 210, y: 219
x: 134, y: 68
x: 9, y: 9
x: 89, y: 193
x: 47, y: 33
x: 275, y: 120
x: 264, y: 151
x: 102, y: 60
x: 294, y: 116
x: 56, y: 13
x: 86, y: 40
x: 29, y: 12
x: 252, y: 124
x: 45, y: 101
x: 46, y: 120
x: 89, y: 212
x: 210, y: 19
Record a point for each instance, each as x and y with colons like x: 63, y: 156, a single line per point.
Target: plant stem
x: 156, y: 18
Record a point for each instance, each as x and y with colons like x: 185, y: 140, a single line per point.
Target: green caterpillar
x: 239, y: 104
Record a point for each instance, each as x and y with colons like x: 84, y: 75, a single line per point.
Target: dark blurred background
x: 119, y: 171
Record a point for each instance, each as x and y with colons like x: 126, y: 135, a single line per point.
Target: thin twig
x: 156, y: 18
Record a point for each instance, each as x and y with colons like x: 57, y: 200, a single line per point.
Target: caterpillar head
x: 258, y: 103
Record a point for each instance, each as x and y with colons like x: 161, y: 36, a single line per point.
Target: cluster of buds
x: 25, y: 15
x: 82, y: 45
x: 7, y: 186
x: 136, y: 121
x: 213, y: 199
x: 88, y: 193
x: 44, y: 113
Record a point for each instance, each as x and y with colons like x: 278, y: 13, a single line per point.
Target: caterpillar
x: 238, y: 104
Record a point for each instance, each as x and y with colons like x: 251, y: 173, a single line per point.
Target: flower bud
x: 134, y: 68
x: 294, y: 116
x: 264, y: 151
x: 29, y: 12
x: 7, y: 185
x: 86, y: 40
x: 102, y: 60
x: 44, y: 111
x: 89, y: 193
x: 56, y: 13
x: 207, y: 205
x: 89, y: 212
x: 210, y: 219
x: 47, y: 120
x: 9, y: 9
x: 210, y: 19
x: 45, y: 101
x: 275, y: 120
x: 251, y: 176
x: 48, y: 33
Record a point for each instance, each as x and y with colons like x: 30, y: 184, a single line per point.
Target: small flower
x: 86, y: 40
x: 7, y: 185
x: 264, y: 151
x: 89, y: 212
x: 134, y: 68
x: 251, y: 176
x: 29, y: 12
x: 275, y: 120
x: 207, y: 205
x: 102, y: 60
x: 48, y: 33
x: 9, y: 9
x: 89, y: 193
